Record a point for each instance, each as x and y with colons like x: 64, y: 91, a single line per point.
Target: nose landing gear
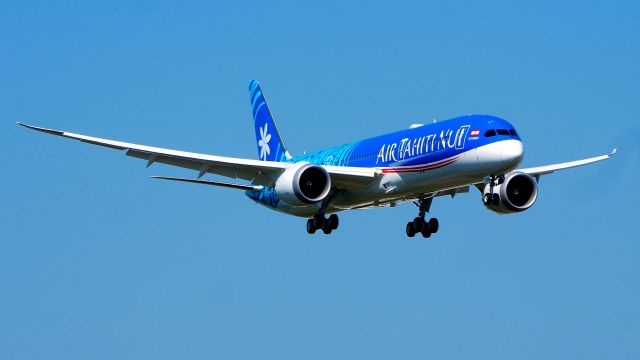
x: 419, y: 224
x: 492, y: 198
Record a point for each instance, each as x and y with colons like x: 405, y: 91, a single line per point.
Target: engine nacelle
x: 303, y: 184
x: 517, y: 192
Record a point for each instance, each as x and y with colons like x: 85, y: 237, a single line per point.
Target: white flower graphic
x: 263, y: 143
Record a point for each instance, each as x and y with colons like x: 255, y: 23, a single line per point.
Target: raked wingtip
x: 41, y: 129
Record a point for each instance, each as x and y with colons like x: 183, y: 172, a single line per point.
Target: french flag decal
x: 475, y: 132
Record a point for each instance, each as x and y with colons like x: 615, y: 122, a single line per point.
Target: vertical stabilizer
x: 270, y: 144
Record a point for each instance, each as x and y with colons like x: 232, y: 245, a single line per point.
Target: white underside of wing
x: 548, y: 169
x: 256, y: 171
x: 351, y: 178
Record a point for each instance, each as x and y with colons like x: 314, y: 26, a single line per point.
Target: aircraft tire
x: 433, y: 225
x: 418, y: 224
x: 334, y: 221
x: 311, y: 229
x: 425, y: 232
x: 410, y: 231
x: 327, y: 229
x: 495, y: 199
x: 318, y: 221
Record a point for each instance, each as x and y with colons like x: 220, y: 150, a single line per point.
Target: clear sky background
x: 97, y: 261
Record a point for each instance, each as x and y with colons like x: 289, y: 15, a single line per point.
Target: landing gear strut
x: 419, y: 224
x: 319, y: 222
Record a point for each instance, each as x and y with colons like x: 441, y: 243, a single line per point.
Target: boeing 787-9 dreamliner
x: 411, y: 165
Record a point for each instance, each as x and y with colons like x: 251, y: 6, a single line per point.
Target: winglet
x: 44, y: 130
x: 613, y: 152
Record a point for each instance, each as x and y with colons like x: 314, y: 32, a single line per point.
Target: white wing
x: 548, y: 169
x: 256, y: 171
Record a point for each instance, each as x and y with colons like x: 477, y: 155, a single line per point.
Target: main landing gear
x: 419, y: 224
x: 319, y: 222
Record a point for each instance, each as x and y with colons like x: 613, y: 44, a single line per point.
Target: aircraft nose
x: 512, y: 152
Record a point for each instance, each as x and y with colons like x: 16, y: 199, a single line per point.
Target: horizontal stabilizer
x: 212, y: 183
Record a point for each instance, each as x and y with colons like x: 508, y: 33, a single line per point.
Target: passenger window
x: 503, y: 132
x: 513, y: 132
x: 490, y: 133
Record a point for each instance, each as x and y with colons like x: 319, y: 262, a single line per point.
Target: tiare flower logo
x: 263, y: 143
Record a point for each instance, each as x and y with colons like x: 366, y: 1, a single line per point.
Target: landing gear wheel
x: 311, y: 229
x: 418, y: 224
x: 410, y: 231
x: 427, y: 228
x: 433, y: 225
x: 318, y: 221
x: 327, y: 229
x: 486, y: 199
x: 333, y: 221
x: 495, y: 198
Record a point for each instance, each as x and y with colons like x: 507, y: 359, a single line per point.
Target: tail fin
x: 270, y: 144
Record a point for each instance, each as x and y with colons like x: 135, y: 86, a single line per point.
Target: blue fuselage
x: 423, y: 159
x: 420, y: 145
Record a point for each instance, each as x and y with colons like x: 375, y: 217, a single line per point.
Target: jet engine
x: 515, y: 192
x: 303, y: 184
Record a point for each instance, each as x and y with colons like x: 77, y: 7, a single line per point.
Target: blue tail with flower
x: 270, y: 144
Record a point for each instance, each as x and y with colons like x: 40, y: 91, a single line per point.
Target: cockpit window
x: 503, y: 132
x: 513, y: 132
x: 490, y: 133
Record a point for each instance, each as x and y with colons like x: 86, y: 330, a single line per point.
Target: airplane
x: 415, y: 165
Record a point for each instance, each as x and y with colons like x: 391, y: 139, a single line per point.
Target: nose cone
x: 512, y: 152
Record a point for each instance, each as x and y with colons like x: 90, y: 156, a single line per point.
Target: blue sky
x: 99, y: 261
